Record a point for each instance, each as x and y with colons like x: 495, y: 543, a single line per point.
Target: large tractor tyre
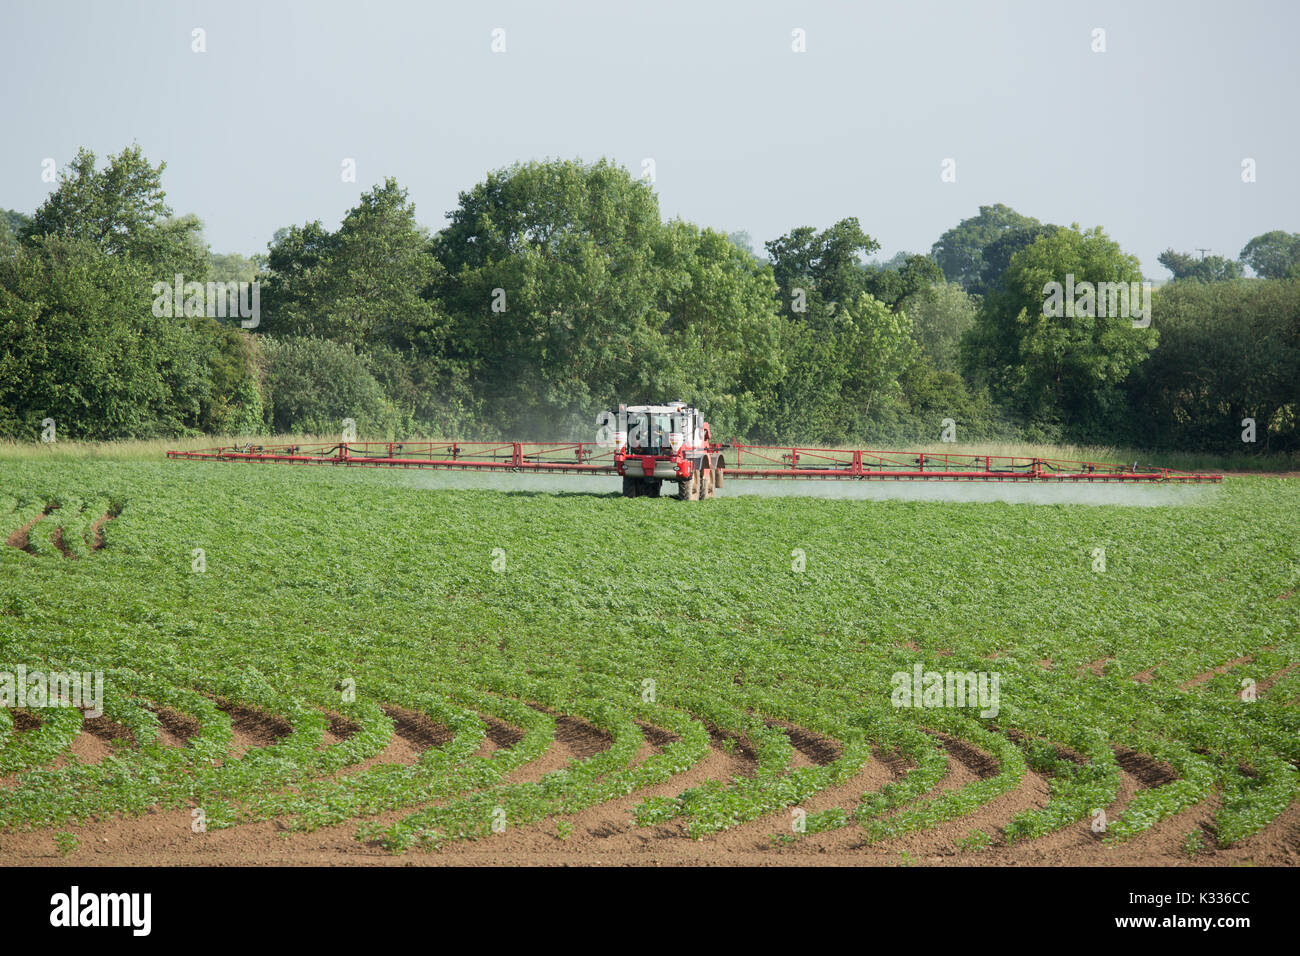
x: 689, y: 490
x: 706, y: 482
x: 652, y: 488
x: 631, y: 487
x: 717, y: 473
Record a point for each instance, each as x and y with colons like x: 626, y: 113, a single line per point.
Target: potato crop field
x: 330, y: 665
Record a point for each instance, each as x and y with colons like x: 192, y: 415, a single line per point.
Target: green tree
x: 996, y: 256
x: 79, y: 344
x: 370, y: 286
x: 960, y: 250
x: 13, y: 220
x: 123, y: 210
x: 231, y: 267
x: 1060, y: 371
x: 941, y: 314
x: 370, y: 281
x: 12, y: 224
x: 722, y: 333
x: 815, y: 271
x: 232, y: 404
x: 1207, y: 269
x: 1228, y: 351
x: 743, y: 240
x: 1273, y: 255
x: 552, y: 277
x: 842, y: 373
x: 892, y: 285
x: 313, y: 384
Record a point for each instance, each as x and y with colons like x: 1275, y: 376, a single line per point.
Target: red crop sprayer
x: 647, y: 445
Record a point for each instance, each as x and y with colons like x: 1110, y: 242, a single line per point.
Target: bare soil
x: 607, y: 835
x: 19, y: 538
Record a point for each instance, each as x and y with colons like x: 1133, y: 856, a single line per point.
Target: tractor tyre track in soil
x: 20, y: 538
x: 606, y: 834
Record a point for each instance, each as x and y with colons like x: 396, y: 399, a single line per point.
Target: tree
x: 12, y: 223
x: 722, y: 333
x: 370, y: 281
x: 552, y: 277
x: 231, y: 267
x: 79, y: 344
x: 1062, y: 369
x: 996, y: 256
x: 232, y: 404
x: 1273, y: 255
x: 843, y: 372
x: 82, y: 341
x: 1228, y: 351
x: 370, y: 286
x: 13, y: 220
x: 1208, y: 269
x: 892, y: 285
x: 743, y: 240
x: 297, y: 263
x: 878, y: 347
x: 941, y: 314
x: 314, y: 384
x: 123, y: 210
x: 815, y: 269
x: 960, y: 250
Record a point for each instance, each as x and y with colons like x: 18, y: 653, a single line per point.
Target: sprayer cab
x: 658, y: 443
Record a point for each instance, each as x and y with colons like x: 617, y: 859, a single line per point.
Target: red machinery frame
x: 741, y: 461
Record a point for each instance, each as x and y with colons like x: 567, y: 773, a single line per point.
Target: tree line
x: 556, y: 289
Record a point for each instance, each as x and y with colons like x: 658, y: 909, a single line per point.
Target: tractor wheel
x: 706, y: 482
x: 689, y: 490
x: 631, y: 487
x: 651, y: 489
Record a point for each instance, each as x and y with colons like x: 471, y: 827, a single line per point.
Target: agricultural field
x: 329, y: 665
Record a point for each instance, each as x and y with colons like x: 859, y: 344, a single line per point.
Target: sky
x: 1146, y: 138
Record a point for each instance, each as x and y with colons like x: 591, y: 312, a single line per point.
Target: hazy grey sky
x: 1146, y: 139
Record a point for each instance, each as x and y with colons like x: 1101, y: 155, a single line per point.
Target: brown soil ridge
x: 96, y: 741
x: 756, y: 835
x: 1077, y: 844
x: 252, y: 727
x: 1267, y: 683
x: 1148, y: 675
x: 499, y: 736
x: 1206, y: 676
x: 19, y: 538
x: 413, y: 734
x: 175, y: 729
x: 165, y: 838
x: 421, y: 731
x: 1147, y: 770
x: 56, y: 539
x: 575, y: 739
x: 340, y: 728
x: 1096, y: 667
x: 608, y: 832
x: 816, y: 749
x: 97, y: 530
x: 933, y: 845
